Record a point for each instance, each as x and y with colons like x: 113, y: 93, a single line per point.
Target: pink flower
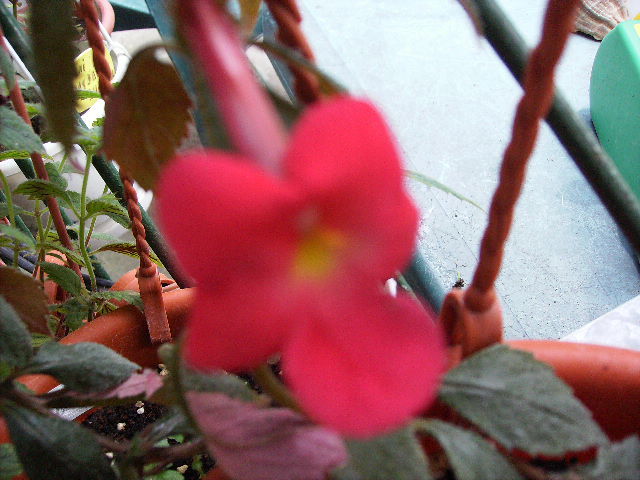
x: 296, y: 265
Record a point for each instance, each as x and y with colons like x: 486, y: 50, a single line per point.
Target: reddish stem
x: 38, y: 163
x: 251, y: 120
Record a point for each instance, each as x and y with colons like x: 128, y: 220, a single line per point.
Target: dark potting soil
x: 122, y: 422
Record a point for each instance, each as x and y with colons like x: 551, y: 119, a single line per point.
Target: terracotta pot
x: 605, y: 379
x: 123, y: 330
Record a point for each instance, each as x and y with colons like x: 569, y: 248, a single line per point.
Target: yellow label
x: 87, y: 78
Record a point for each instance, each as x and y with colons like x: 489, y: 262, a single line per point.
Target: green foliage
x: 619, y: 461
x: 82, y: 367
x: 38, y: 189
x: 520, y: 402
x: 471, y: 456
x: 125, y: 248
x: 108, y: 205
x: 51, y: 448
x: 15, y: 340
x: 184, y: 379
x: 7, y: 70
x: 397, y: 455
x: 54, y: 175
x: 10, y: 232
x: 63, y: 276
x: 15, y: 134
x: 54, y: 56
x: 9, y: 463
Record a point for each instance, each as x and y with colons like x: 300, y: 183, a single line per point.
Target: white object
x: 618, y: 328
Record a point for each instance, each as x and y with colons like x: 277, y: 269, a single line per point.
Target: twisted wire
x: 148, y: 278
x: 287, y: 16
x: 535, y: 104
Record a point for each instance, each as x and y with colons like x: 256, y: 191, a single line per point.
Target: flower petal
x: 343, y: 156
x: 368, y: 369
x: 215, y: 208
x: 238, y: 326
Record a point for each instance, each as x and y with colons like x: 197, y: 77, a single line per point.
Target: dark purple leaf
x: 253, y: 443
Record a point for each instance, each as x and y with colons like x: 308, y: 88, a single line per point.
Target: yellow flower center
x: 317, y: 254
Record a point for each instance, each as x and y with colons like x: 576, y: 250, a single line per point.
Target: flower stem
x: 274, y: 387
x: 12, y: 215
x: 82, y: 226
x: 251, y: 120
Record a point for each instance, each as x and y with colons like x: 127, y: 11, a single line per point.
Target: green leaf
x: 72, y: 200
x: 9, y: 463
x: 15, y: 340
x: 6, y: 69
x: 470, y: 455
x: 146, y: 117
x: 166, y: 475
x: 39, y: 189
x: 130, y: 297
x: 54, y: 57
x: 125, y: 248
x: 14, y: 154
x: 89, y: 138
x: 54, y: 175
x: 227, y: 383
x: 520, y: 402
x: 15, y: 134
x: 619, y: 461
x: 431, y: 182
x: 83, y: 367
x: 396, y: 456
x: 17, y: 235
x: 26, y: 296
x: 51, y: 448
x: 63, y: 276
x: 85, y: 94
x: 183, y: 379
x: 4, y: 210
x: 108, y: 205
x: 53, y: 246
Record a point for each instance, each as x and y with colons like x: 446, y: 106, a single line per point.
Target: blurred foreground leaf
x: 51, y: 448
x: 520, y: 402
x: 52, y: 36
x: 146, y: 117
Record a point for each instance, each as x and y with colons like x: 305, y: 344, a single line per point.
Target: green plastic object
x: 615, y: 99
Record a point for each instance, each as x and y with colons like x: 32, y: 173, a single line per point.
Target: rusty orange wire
x: 148, y: 278
x: 533, y: 107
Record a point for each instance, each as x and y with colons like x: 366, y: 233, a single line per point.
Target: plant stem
x: 81, y: 227
x: 111, y: 177
x: 274, y: 387
x: 41, y: 250
x: 12, y: 215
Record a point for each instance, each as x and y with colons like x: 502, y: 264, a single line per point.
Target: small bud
x: 120, y: 426
x: 182, y: 468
